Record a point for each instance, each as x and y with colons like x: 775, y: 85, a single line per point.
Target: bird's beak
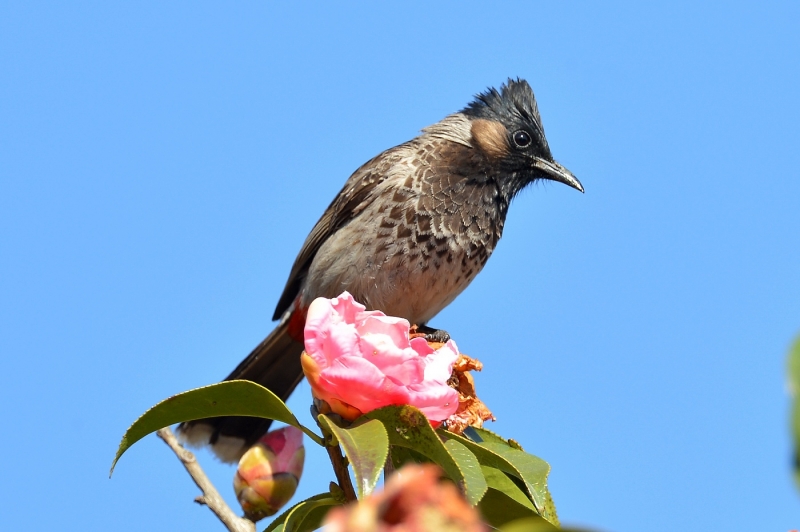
x: 556, y: 172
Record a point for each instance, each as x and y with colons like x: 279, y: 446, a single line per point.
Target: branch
x: 210, y: 496
x: 341, y: 471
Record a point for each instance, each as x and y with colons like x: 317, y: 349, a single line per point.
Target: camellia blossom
x: 269, y: 472
x: 413, y: 500
x: 358, y: 360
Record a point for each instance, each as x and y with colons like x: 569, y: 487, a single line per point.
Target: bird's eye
x: 522, y: 139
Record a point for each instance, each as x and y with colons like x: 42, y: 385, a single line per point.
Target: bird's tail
x: 275, y: 364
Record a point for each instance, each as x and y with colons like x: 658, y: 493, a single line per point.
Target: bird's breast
x: 413, y: 249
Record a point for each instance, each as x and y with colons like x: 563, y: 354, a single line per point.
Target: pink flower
x: 358, y: 360
x: 269, y: 472
x: 413, y: 500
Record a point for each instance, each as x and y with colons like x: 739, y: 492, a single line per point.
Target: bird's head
x: 507, y: 128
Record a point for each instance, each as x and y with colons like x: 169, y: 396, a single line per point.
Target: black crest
x: 513, y: 103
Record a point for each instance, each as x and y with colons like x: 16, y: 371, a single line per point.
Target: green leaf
x: 504, y: 500
x: 401, y: 456
x: 497, y: 480
x: 530, y: 524
x: 497, y: 508
x: 315, y: 516
x: 279, y: 522
x: 366, y: 446
x: 550, y: 510
x: 533, y: 471
x: 794, y: 390
x: 229, y: 398
x: 470, y: 467
x: 536, y: 524
x: 308, y: 515
x: 497, y: 453
x: 484, y: 435
x: 408, y: 427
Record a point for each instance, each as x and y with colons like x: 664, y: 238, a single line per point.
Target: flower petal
x: 365, y: 360
x: 394, y: 329
x: 436, y: 402
x: 439, y: 364
x: 362, y: 385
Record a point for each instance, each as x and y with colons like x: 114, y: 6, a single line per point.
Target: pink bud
x: 358, y: 360
x: 269, y: 472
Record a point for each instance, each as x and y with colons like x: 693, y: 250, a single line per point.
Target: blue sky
x: 160, y: 166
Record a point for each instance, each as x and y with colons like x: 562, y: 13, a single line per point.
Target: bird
x: 410, y: 229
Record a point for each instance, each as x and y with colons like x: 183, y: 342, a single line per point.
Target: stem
x: 342, y: 473
x: 210, y: 496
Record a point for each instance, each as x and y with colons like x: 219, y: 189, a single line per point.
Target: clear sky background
x: 160, y: 166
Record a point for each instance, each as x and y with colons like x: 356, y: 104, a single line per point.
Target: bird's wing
x: 354, y: 197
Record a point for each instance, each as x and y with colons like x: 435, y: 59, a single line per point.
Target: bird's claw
x: 430, y: 334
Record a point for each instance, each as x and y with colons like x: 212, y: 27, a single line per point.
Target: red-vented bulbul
x: 408, y: 232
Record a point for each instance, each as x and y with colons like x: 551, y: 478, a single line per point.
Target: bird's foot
x: 430, y: 334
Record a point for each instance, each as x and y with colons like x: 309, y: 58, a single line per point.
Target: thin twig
x: 210, y: 496
x: 342, y: 473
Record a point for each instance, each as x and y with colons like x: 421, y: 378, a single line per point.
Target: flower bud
x: 269, y: 472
